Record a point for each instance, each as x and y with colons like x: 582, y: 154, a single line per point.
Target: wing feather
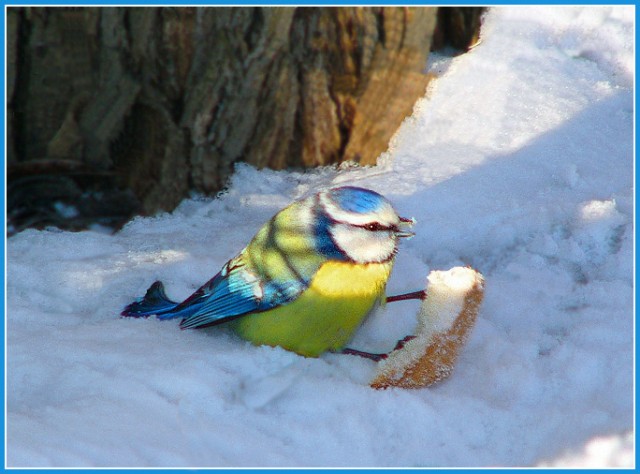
x: 234, y: 292
x: 274, y: 269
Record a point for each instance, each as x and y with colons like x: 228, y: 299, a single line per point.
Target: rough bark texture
x: 141, y: 105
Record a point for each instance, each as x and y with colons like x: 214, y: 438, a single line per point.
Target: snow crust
x: 517, y: 162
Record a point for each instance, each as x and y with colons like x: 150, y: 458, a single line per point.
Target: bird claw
x: 400, y: 344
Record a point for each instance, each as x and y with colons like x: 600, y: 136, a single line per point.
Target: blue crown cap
x: 358, y: 200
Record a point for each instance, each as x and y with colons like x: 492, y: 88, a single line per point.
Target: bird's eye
x: 374, y: 226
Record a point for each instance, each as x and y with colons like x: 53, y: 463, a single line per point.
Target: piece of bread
x: 445, y: 320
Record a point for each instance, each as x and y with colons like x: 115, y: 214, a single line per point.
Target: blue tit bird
x: 305, y: 282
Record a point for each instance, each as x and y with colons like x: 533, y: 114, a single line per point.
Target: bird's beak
x: 403, y: 230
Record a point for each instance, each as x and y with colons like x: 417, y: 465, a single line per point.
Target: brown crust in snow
x: 440, y: 355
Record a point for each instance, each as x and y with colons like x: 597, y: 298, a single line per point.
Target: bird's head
x: 359, y: 224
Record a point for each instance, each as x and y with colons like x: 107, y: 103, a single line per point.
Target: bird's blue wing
x: 234, y: 292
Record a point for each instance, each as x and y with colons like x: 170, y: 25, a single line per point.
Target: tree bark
x: 164, y: 100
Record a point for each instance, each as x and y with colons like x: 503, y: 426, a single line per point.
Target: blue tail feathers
x: 155, y: 301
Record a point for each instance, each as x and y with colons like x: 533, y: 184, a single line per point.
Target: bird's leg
x: 366, y: 355
x: 416, y: 295
x: 376, y: 357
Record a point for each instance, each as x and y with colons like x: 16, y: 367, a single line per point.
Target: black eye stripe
x: 376, y: 227
x: 373, y: 226
x: 370, y: 226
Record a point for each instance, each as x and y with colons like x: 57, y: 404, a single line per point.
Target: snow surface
x: 519, y: 162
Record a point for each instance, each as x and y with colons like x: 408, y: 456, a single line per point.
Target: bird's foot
x: 400, y: 344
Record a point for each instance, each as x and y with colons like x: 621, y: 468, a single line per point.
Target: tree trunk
x: 145, y: 104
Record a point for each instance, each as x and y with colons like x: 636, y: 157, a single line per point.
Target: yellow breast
x: 325, y: 316
x: 340, y: 279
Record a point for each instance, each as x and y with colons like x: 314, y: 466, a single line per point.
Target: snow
x: 518, y: 162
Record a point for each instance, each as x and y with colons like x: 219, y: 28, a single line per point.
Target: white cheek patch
x: 364, y: 246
